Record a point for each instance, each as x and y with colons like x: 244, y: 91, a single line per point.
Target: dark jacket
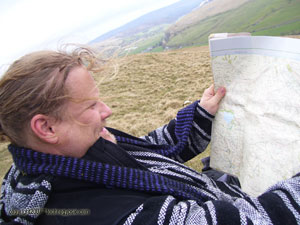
x: 141, y: 181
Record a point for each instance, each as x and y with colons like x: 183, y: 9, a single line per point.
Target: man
x: 70, y: 169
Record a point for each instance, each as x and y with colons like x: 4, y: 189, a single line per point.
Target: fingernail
x: 222, y: 90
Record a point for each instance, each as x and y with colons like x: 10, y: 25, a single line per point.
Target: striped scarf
x: 33, y: 163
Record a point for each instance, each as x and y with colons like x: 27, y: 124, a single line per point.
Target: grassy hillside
x: 154, y: 86
x: 210, y: 9
x: 165, y: 15
x: 268, y: 17
x: 145, y: 91
x: 132, y: 44
x: 144, y: 33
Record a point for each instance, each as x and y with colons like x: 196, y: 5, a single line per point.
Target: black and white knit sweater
x: 151, y: 165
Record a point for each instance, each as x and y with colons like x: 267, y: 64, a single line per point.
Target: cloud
x: 28, y: 25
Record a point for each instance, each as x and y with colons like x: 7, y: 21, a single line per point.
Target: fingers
x: 218, y: 96
x: 210, y: 90
x: 210, y: 100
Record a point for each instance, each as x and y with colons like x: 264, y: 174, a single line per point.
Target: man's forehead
x: 81, y: 84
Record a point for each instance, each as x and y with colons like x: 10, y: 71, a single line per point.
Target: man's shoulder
x: 103, y: 203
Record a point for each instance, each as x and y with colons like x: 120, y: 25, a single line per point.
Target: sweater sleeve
x: 279, y: 205
x: 198, y: 137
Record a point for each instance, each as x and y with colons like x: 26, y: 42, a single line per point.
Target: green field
x: 268, y: 17
x: 259, y: 17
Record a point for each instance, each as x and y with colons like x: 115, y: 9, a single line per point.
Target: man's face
x: 84, y: 116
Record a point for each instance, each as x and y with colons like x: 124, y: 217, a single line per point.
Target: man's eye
x: 93, y: 105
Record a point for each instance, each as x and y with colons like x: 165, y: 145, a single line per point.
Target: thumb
x: 210, y: 91
x: 219, y: 95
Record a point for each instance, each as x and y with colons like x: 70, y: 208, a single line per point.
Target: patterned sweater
x: 152, y: 164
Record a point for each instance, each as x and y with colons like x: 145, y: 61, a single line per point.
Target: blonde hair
x: 35, y: 84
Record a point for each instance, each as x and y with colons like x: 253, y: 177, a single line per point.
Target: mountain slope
x: 268, y: 17
x: 145, y: 33
x: 159, y: 30
x: 165, y: 15
x: 212, y: 8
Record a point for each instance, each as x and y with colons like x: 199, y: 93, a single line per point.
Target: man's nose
x: 105, y: 111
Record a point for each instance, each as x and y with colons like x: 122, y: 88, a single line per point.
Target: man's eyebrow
x: 81, y: 100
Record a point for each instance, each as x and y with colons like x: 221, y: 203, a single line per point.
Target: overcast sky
x: 29, y: 25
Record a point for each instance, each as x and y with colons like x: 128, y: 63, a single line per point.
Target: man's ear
x: 42, y: 127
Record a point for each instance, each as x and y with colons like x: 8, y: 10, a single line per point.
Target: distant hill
x: 196, y: 16
x: 166, y: 15
x: 145, y: 33
x: 267, y: 17
x: 189, y: 23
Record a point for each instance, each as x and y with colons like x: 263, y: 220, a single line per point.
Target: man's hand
x: 210, y: 100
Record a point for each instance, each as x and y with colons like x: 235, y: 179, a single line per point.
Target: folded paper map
x: 256, y: 132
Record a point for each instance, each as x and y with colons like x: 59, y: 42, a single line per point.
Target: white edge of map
x: 262, y: 45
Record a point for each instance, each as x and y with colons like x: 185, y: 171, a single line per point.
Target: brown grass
x: 145, y: 91
x: 149, y: 89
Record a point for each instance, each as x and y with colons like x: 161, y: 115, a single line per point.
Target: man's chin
x: 108, y: 136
